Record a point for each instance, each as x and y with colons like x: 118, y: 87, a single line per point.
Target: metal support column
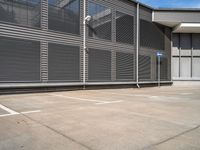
x: 137, y: 45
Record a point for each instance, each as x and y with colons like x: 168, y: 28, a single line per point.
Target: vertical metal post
x: 137, y: 46
x: 84, y: 41
x: 158, y: 71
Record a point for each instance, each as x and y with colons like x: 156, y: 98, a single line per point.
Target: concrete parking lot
x: 166, y: 118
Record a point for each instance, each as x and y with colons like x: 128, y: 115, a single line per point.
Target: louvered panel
x: 163, y: 69
x: 99, y: 63
x: 19, y: 60
x: 63, y: 62
x: 23, y: 12
x: 124, y: 66
x: 124, y: 28
x: 100, y: 24
x: 151, y: 35
x: 144, y: 68
x: 64, y: 16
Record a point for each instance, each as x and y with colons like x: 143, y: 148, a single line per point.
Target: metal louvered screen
x: 99, y: 65
x: 163, y: 68
x: 124, y: 66
x: 64, y: 62
x: 19, y: 60
x: 24, y: 12
x: 64, y: 16
x: 144, y: 71
x: 151, y: 35
x: 101, y: 23
x: 124, y: 28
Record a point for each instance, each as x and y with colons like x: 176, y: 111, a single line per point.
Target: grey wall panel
x: 175, y: 44
x: 196, y: 41
x: 125, y: 66
x: 185, y: 41
x: 144, y: 68
x: 175, y: 67
x: 177, y: 16
x: 185, y: 67
x: 99, y: 65
x: 196, y: 67
x: 19, y: 60
x: 63, y: 63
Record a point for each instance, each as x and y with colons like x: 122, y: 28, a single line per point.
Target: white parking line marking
x: 98, y: 102
x: 29, y: 112
x: 25, y: 112
x: 76, y: 98
x: 10, y: 111
x: 186, y: 93
x: 111, y: 102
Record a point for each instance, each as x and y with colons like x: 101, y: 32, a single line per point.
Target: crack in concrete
x: 170, y: 138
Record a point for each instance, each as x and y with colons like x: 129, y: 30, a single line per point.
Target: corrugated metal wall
x: 153, y: 38
x: 54, y: 49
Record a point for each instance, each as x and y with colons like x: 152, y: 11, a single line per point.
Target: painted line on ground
x: 111, y: 102
x: 10, y: 111
x: 30, y: 112
x: 186, y: 93
x: 98, y: 102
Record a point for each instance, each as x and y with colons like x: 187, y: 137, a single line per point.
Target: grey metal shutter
x: 196, y: 41
x: 124, y: 28
x: 144, y: 70
x: 99, y: 64
x: 175, y: 39
x: 185, y: 41
x: 124, y: 66
x: 19, y: 60
x: 64, y: 62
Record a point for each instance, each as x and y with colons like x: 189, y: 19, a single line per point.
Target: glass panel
x: 124, y: 28
x: 64, y: 16
x: 24, y: 12
x: 101, y: 22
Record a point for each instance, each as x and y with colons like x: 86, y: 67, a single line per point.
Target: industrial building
x: 47, y: 43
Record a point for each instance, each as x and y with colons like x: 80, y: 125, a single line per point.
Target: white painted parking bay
x: 133, y: 119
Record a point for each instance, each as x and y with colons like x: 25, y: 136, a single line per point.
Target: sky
x: 172, y: 3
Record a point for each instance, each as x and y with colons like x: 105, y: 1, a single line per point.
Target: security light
x: 88, y: 18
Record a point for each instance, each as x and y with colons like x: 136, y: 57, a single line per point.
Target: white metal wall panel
x: 196, y: 67
x: 185, y: 67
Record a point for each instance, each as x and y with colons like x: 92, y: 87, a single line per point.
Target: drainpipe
x: 137, y: 46
x: 84, y: 42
